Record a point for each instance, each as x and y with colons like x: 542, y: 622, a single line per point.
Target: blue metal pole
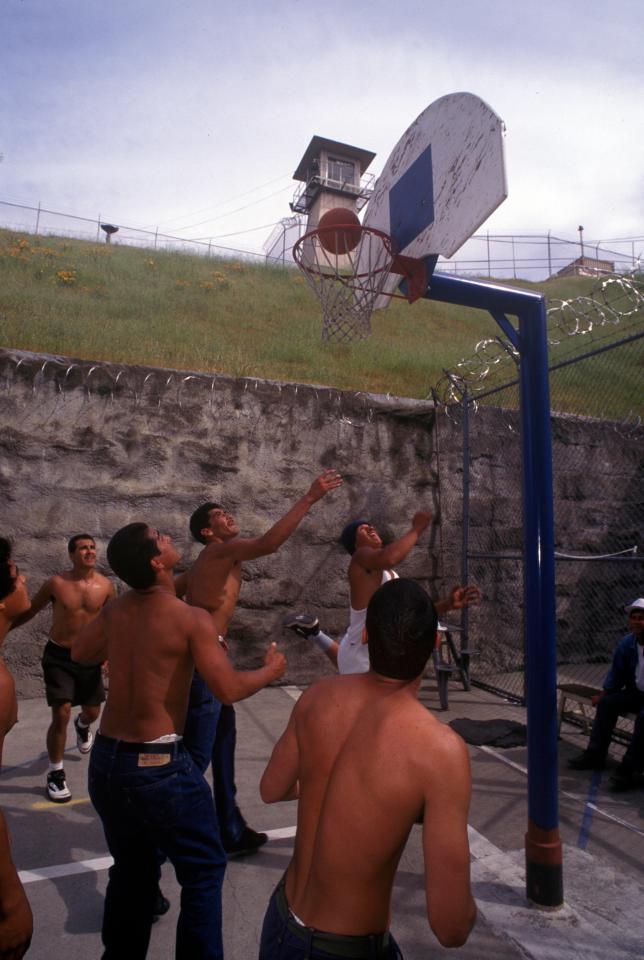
x: 544, y: 868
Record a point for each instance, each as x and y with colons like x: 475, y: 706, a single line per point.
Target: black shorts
x: 69, y: 682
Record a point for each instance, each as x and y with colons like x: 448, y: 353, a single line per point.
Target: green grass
x: 121, y: 304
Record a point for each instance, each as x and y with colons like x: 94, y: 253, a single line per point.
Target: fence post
x: 549, y: 257
x: 38, y: 217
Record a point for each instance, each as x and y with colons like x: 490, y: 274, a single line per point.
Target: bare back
x: 370, y: 761
x: 148, y: 647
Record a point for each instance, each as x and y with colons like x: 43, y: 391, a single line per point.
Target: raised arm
x: 451, y: 910
x: 458, y: 598
x: 383, y: 558
x: 280, y: 778
x: 39, y: 601
x: 229, y: 685
x: 240, y: 550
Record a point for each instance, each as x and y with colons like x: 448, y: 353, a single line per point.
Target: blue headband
x: 348, y: 535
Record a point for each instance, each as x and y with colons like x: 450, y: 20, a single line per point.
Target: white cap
x: 635, y: 605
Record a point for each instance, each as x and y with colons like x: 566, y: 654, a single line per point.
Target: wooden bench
x: 582, y: 694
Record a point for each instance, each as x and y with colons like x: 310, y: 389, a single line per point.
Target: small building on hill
x: 586, y: 267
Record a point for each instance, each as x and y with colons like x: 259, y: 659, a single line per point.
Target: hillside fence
x: 512, y: 256
x: 599, y: 510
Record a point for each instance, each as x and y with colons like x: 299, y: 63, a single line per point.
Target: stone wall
x: 90, y: 447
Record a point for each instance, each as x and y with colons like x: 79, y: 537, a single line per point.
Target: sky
x: 192, y: 115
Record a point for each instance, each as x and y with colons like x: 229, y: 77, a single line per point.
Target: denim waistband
x: 368, y: 947
x: 128, y: 746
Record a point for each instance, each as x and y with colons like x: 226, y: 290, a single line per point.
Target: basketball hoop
x: 329, y: 258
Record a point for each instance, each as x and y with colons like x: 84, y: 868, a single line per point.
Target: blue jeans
x: 284, y: 939
x: 148, y: 808
x: 210, y: 735
x: 609, y: 708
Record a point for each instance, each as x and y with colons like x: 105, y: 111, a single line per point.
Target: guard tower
x: 332, y: 175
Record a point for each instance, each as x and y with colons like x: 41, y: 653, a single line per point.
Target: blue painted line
x: 587, y: 819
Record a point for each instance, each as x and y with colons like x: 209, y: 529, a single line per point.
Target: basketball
x: 340, y: 230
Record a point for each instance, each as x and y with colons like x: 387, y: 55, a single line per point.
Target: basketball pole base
x: 544, y: 866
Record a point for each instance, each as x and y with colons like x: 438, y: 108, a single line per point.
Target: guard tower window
x: 343, y: 171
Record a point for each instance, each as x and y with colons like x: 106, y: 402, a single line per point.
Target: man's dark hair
x: 200, y: 519
x: 71, y: 546
x: 7, y: 581
x: 129, y: 553
x: 401, y: 629
x: 348, y: 535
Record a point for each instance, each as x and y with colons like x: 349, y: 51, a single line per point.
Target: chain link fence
x: 596, y: 362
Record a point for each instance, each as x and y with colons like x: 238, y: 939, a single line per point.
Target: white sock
x: 55, y: 766
x: 81, y: 722
x: 321, y: 640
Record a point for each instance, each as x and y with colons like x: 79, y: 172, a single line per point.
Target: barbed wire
x: 122, y: 388
x: 613, y: 310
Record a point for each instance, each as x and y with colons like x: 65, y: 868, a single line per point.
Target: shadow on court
x: 604, y: 849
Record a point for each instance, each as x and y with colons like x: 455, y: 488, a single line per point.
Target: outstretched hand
x: 461, y: 597
x: 276, y: 661
x: 328, y: 480
x: 421, y: 520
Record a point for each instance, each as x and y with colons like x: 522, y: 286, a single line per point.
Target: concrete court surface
x: 61, y: 854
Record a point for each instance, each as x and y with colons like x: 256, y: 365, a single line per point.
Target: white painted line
x: 570, y: 796
x: 294, y: 692
x: 104, y: 863
x: 65, y: 869
x: 281, y: 833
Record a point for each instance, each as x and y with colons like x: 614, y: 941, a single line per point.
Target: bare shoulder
x: 432, y: 741
x: 103, y: 580
x: 56, y: 583
x: 329, y: 700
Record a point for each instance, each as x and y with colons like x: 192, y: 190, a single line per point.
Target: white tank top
x: 353, y: 654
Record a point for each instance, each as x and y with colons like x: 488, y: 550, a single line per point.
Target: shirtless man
x: 353, y: 822
x: 77, y: 597
x: 146, y: 789
x: 371, y: 565
x: 16, y: 920
x: 14, y: 601
x: 213, y: 583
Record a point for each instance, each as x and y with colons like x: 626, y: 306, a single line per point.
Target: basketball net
x: 347, y: 297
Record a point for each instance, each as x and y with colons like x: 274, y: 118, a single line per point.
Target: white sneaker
x: 57, y: 789
x: 84, y: 736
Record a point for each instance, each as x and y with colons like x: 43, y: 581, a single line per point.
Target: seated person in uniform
x: 623, y: 692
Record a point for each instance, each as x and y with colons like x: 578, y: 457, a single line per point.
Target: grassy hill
x: 117, y: 303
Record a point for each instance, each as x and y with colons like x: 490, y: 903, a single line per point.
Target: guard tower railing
x: 306, y: 193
